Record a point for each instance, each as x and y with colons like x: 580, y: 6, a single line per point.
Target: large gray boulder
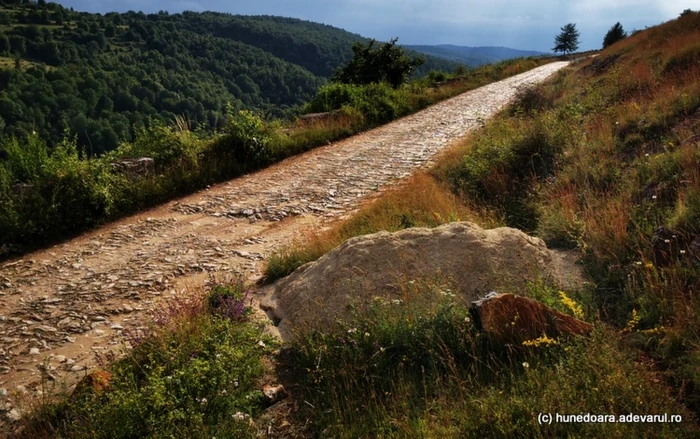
x: 471, y: 260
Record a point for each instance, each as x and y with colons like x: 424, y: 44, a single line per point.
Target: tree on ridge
x: 567, y: 40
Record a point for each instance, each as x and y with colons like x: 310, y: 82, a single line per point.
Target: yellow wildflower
x: 572, y: 305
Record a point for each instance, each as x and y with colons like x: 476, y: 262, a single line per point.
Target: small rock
x: 60, y: 358
x: 45, y: 328
x: 99, y: 332
x: 70, y: 361
x: 95, y: 382
x: 510, y: 319
x: 3, y: 392
x: 14, y: 415
x: 77, y: 368
x: 117, y: 327
x: 34, y: 351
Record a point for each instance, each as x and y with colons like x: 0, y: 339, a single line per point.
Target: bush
x: 247, y: 139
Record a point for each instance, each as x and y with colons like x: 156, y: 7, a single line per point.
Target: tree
x: 615, y: 34
x: 567, y: 40
x: 5, y: 46
x: 686, y: 12
x: 371, y: 64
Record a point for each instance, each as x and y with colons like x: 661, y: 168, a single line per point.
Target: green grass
x: 421, y: 369
x: 200, y: 365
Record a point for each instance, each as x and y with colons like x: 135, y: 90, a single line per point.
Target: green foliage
x: 615, y: 33
x: 166, y: 145
x: 378, y: 103
x: 246, y: 139
x: 105, y: 79
x: 420, y: 369
x: 188, y: 378
x: 370, y: 64
x: 567, y: 40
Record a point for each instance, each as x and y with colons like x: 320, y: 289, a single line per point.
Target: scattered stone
x: 60, y: 358
x: 13, y: 415
x: 3, y: 392
x: 511, y: 319
x: 77, y: 368
x: 34, y: 351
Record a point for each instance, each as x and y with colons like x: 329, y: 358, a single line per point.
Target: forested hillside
x: 473, y: 56
x: 101, y: 77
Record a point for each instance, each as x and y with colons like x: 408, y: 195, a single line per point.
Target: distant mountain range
x: 473, y: 56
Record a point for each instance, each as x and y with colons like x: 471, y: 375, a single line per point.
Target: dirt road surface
x: 62, y: 305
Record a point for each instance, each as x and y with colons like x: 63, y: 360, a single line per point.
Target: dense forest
x: 102, y: 77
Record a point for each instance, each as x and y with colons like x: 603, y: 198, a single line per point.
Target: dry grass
x: 420, y: 202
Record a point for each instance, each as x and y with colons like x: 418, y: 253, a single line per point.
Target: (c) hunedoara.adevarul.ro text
x: 549, y: 418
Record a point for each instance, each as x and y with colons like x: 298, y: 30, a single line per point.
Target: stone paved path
x: 61, y: 305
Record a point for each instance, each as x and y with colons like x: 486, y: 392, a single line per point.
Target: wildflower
x: 366, y: 334
x: 540, y: 341
x: 633, y: 322
x: 649, y: 265
x: 526, y: 365
x: 682, y: 252
x: 352, y: 331
x: 572, y: 305
x: 203, y: 401
x: 467, y: 320
x: 397, y: 301
x: 639, y: 262
x: 235, y: 383
x: 646, y: 155
x: 224, y: 392
x: 653, y: 197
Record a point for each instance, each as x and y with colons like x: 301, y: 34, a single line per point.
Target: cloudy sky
x: 520, y: 24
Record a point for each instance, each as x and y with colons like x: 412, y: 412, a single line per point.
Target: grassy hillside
x: 604, y: 159
x: 103, y: 77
